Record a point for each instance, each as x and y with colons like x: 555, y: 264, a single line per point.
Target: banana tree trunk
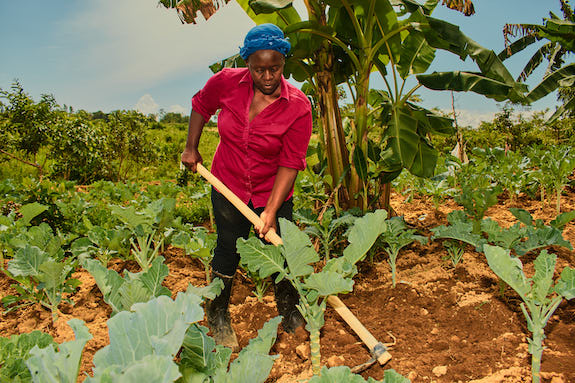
x: 358, y: 184
x: 329, y: 114
x: 331, y: 125
x: 385, y: 198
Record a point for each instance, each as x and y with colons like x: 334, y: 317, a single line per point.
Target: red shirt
x: 250, y: 152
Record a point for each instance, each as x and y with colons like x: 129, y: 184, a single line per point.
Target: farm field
x: 450, y: 324
x: 435, y: 192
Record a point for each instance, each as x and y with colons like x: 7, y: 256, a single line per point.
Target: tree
x: 172, y: 117
x: 126, y: 142
x: 25, y: 125
x: 559, y: 40
x: 78, y: 149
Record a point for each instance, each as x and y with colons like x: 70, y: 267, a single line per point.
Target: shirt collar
x: 247, y: 79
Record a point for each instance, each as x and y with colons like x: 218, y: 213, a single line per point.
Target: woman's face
x: 266, y: 67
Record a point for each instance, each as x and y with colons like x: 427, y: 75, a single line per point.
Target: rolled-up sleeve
x: 295, y: 142
x: 207, y: 101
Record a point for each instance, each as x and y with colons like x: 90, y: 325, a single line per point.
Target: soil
x: 448, y: 324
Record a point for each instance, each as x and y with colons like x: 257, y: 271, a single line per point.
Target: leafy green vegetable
x: 253, y: 363
x: 455, y: 249
x: 48, y: 365
x: 557, y: 163
x: 121, y: 293
x: 40, y: 278
x: 540, y: 235
x: 102, y: 243
x: 457, y: 234
x: 508, y: 238
x: 150, y: 336
x: 293, y: 260
x: 15, y: 223
x: 540, y: 299
x: 476, y: 200
x: 326, y: 228
x: 14, y: 352
x: 532, y: 235
x: 150, y: 227
x: 395, y: 237
x: 343, y: 374
x: 201, y: 357
x: 202, y: 360
x: 197, y: 243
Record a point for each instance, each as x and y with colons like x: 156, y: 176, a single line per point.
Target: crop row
x: 41, y: 256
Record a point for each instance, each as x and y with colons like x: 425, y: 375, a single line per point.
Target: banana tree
x: 371, y: 35
x: 560, y: 41
x: 345, y: 41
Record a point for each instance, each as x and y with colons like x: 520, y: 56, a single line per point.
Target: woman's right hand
x: 190, y: 159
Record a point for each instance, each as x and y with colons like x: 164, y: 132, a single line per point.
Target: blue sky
x: 132, y: 54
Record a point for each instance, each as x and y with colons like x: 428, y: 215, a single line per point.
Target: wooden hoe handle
x: 377, y: 349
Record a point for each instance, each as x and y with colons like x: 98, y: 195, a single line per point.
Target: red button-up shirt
x: 250, y: 152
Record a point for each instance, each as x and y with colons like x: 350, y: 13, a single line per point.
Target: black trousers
x: 231, y: 225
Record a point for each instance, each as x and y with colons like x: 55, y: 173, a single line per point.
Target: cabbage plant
x: 294, y: 260
x: 324, y: 228
x: 344, y: 374
x: 120, y: 293
x: 540, y: 297
x: 14, y: 351
x: 41, y: 278
x: 157, y: 342
x: 395, y: 237
x: 198, y: 243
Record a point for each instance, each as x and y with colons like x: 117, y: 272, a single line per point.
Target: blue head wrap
x: 264, y: 36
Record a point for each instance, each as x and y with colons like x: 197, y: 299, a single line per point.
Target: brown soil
x: 450, y: 324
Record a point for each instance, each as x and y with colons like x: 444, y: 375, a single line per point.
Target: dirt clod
x: 439, y: 371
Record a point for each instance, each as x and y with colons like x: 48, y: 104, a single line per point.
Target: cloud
x: 146, y: 105
x: 474, y: 118
x: 131, y: 42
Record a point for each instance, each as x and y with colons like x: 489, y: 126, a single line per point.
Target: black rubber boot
x: 287, y: 298
x: 219, y: 316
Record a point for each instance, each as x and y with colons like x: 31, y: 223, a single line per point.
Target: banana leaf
x: 559, y: 31
x: 469, y: 81
x: 412, y: 6
x: 517, y: 46
x: 269, y: 6
x: 188, y: 9
x: 535, y: 61
x: 551, y: 82
x: 387, y: 22
x: 416, y: 55
x: 405, y: 147
x: 443, y: 35
x: 564, y: 109
x: 235, y: 61
x: 281, y: 17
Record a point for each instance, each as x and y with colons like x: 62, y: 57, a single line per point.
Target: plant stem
x: 315, y: 351
x: 206, y: 264
x: 477, y: 226
x: 392, y: 259
x: 536, y: 348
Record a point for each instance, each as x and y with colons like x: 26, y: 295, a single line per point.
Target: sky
x: 133, y: 54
